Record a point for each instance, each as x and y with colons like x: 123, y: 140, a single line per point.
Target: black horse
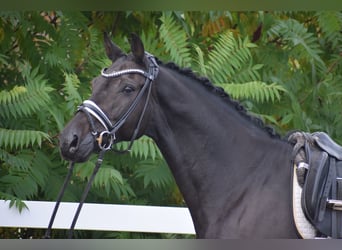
x: 233, y: 171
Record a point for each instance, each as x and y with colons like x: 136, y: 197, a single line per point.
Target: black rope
x: 85, y: 193
x: 59, y: 198
x: 84, y: 196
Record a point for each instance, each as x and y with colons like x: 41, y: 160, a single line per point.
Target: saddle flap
x: 315, y: 191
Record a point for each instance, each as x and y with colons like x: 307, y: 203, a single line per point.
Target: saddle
x: 318, y: 162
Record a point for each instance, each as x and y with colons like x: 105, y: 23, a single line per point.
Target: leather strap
x: 334, y: 196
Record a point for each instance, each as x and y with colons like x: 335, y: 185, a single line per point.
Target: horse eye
x: 128, y: 89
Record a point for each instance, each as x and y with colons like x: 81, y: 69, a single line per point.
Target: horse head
x: 116, y: 109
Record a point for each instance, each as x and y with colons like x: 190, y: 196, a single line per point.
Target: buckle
x: 105, y: 140
x: 334, y: 204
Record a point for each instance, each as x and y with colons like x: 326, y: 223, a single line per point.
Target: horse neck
x: 185, y: 113
x: 210, y: 147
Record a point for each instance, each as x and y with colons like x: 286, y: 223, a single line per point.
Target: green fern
x: 14, y: 201
x: 71, y: 85
x: 25, y: 100
x: 175, y: 40
x: 27, y: 173
x: 69, y: 42
x: 12, y: 95
x: 229, y: 58
x: 330, y: 23
x: 155, y: 173
x: 151, y: 44
x: 257, y: 91
x: 199, y: 61
x: 248, y: 73
x: 110, y: 179
x: 295, y: 37
x: 107, y: 178
x: 72, y: 98
x: 3, y: 59
x: 144, y: 147
x: 18, y: 139
x: 20, y: 184
x: 95, y: 54
x: 19, y: 161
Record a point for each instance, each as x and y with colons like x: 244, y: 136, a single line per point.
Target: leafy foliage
x: 143, y: 148
x: 330, y: 23
x: 14, y: 139
x: 230, y: 57
x: 256, y: 91
x: 174, y: 38
x: 158, y: 175
x: 26, y: 174
x: 296, y: 38
x: 25, y: 100
x: 48, y: 58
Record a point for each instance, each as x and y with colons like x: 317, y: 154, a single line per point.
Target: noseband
x: 106, y: 138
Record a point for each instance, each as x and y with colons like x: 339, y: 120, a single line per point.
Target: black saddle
x: 321, y: 180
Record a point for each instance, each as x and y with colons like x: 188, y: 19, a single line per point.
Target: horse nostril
x: 73, y: 144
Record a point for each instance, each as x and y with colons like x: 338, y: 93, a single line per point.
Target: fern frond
x: 71, y: 85
x: 33, y: 166
x: 40, y: 165
x: 228, y: 57
x: 3, y: 59
x: 69, y: 43
x: 52, y: 57
x: 14, y: 201
x: 24, y: 100
x: 144, y: 147
x: 23, y: 180
x: 156, y: 173
x: 18, y: 139
x: 122, y: 190
x: 20, y: 185
x: 175, y: 41
x: 258, y: 91
x: 94, y: 53
x: 296, y: 38
x: 200, y: 61
x: 107, y: 178
x: 151, y: 44
x: 330, y: 23
x: 12, y: 95
x: 247, y: 73
x: 19, y: 161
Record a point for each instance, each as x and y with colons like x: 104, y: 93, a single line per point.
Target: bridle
x: 106, y: 138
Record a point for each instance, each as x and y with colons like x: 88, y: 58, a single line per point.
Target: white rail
x: 107, y: 217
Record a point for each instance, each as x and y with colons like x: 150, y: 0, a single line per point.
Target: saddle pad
x: 304, y: 227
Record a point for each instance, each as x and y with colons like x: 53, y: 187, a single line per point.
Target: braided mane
x: 220, y: 92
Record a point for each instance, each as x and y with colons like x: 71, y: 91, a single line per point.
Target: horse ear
x: 137, y: 48
x: 113, y: 51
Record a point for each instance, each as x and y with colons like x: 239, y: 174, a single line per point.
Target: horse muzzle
x: 74, y: 148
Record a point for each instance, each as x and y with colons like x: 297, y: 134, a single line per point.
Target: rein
x: 106, y: 138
